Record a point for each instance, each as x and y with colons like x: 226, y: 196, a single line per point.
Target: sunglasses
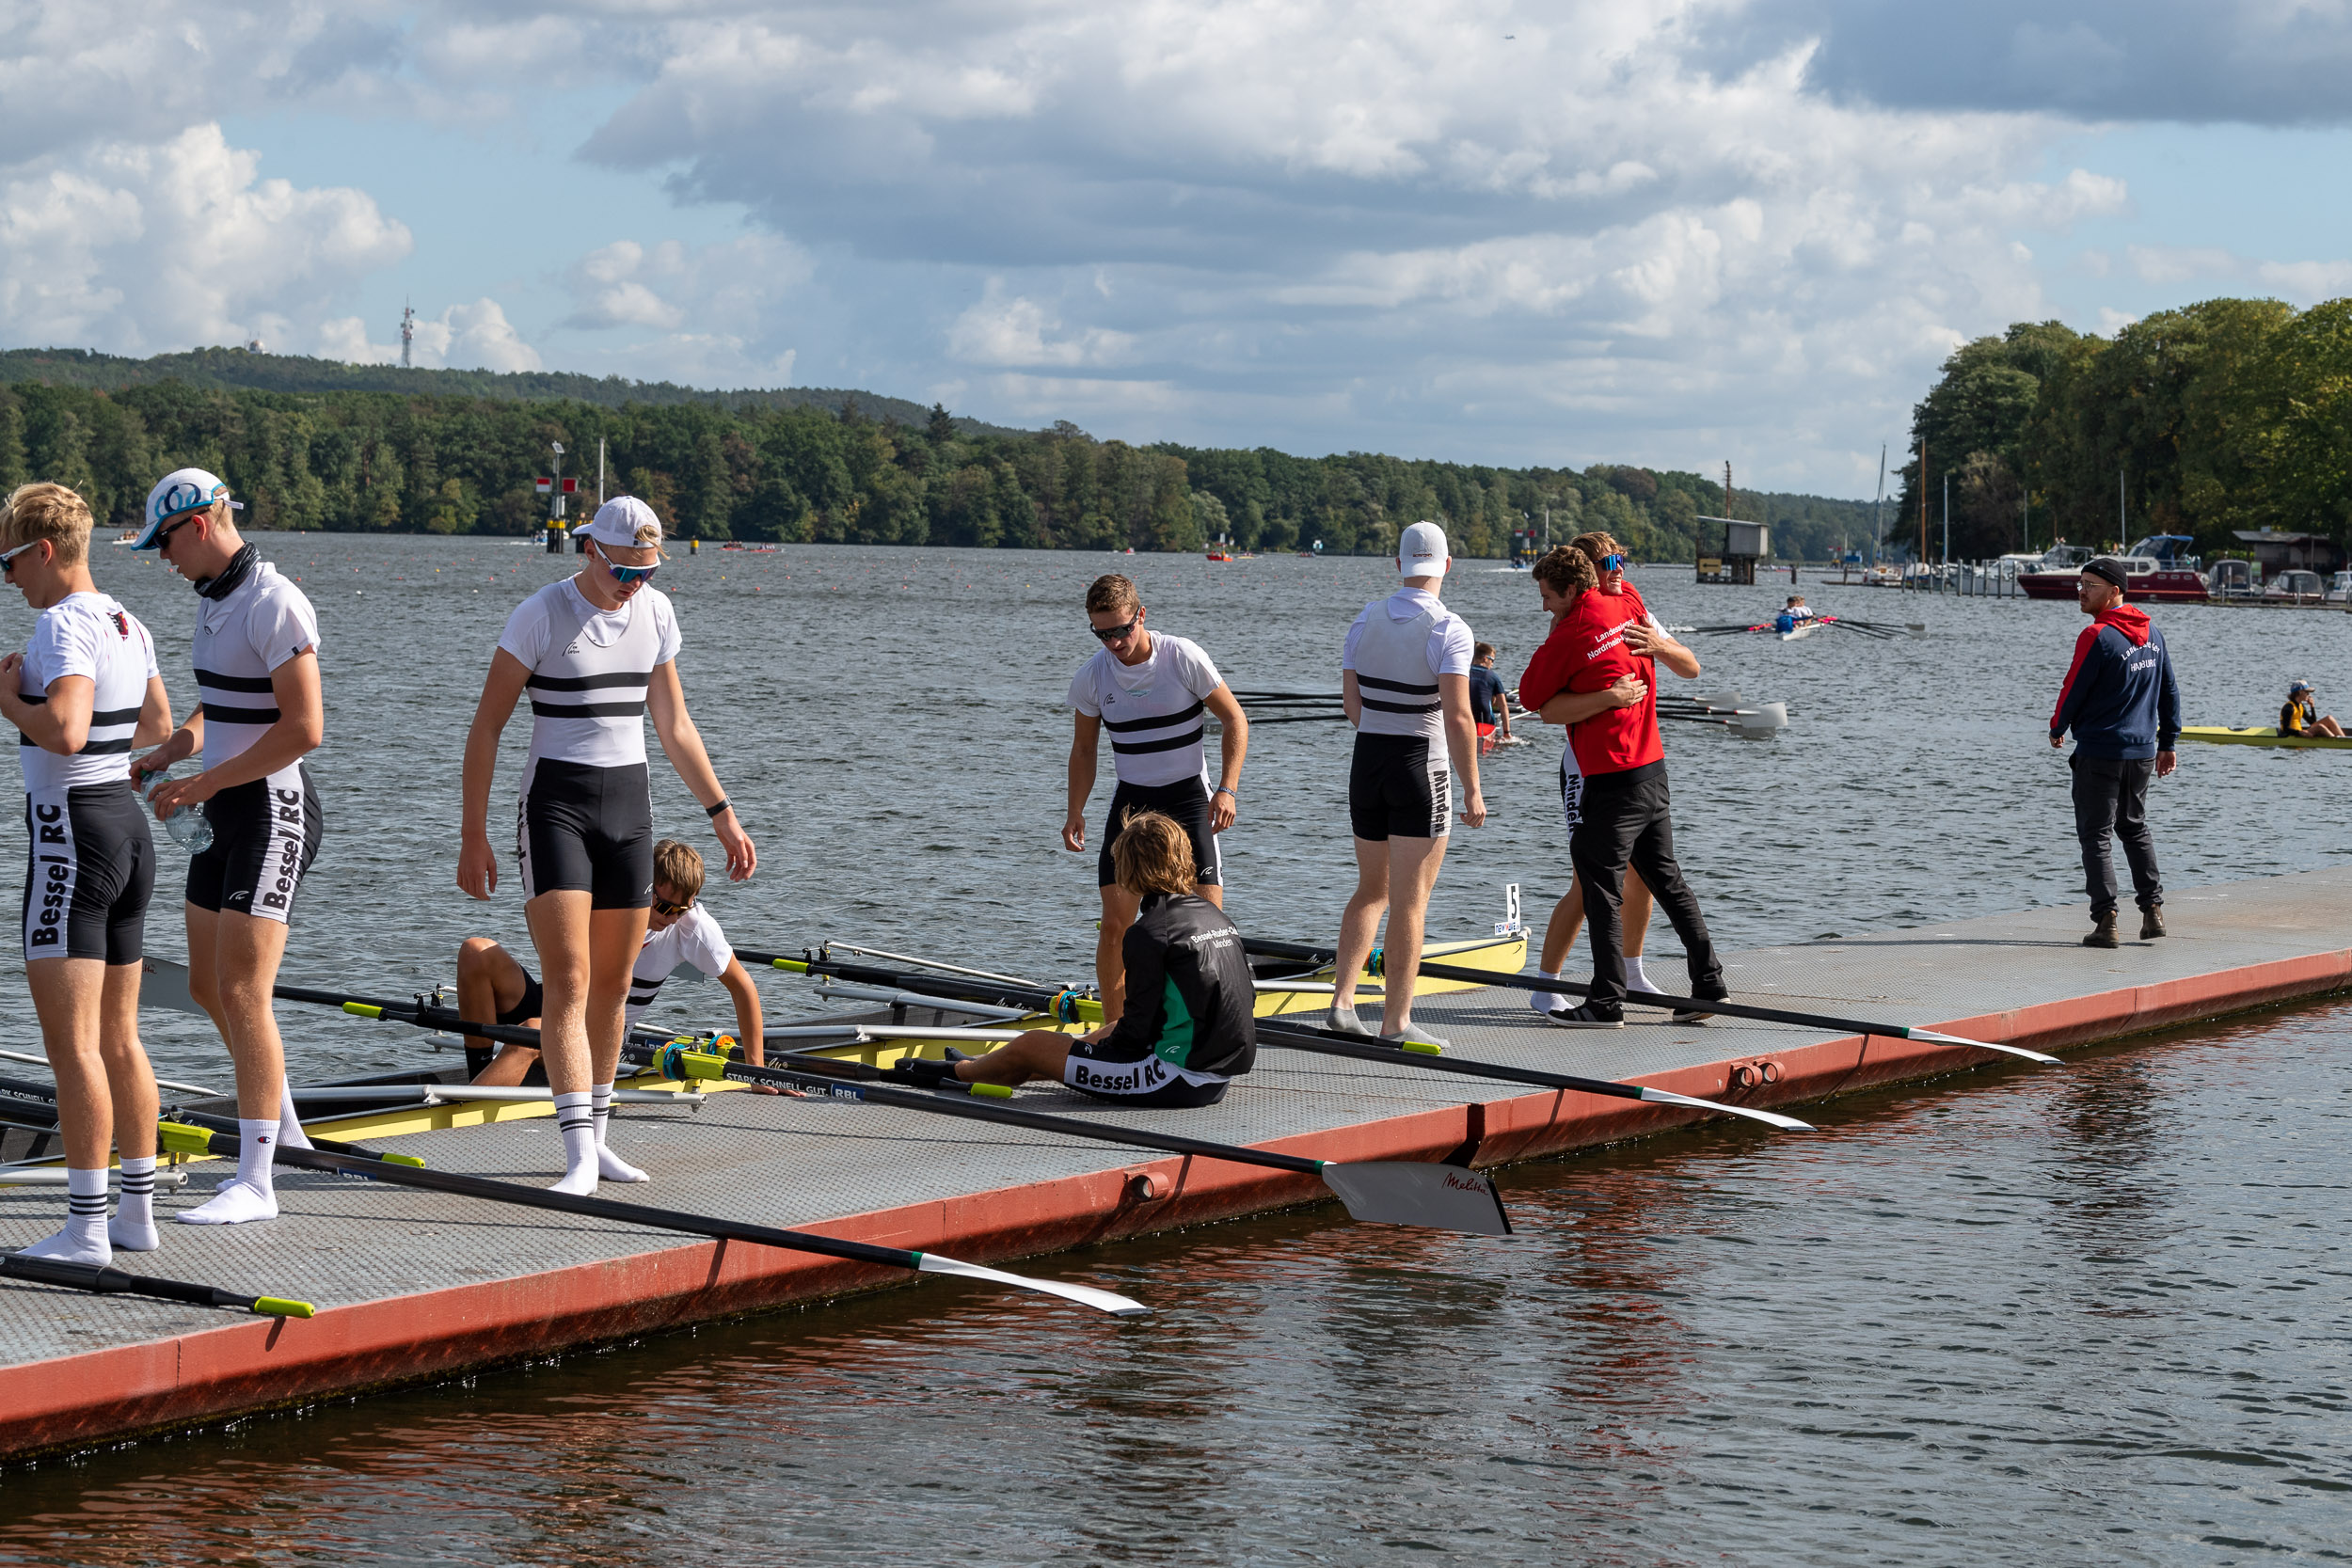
x: 165, y: 537
x: 1114, y: 634
x: 8, y: 558
x: 626, y: 575
x: 668, y: 911
x: 1613, y: 563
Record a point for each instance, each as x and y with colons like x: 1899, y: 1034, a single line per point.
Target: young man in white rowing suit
x: 260, y: 712
x: 83, y: 693
x: 1405, y: 680
x: 597, y: 651
x: 1149, y: 690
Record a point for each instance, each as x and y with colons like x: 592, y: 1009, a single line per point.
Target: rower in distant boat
x: 1796, y: 613
x: 1149, y: 690
x: 2300, y: 715
x: 1491, y: 709
x: 1190, y: 1026
x: 597, y: 651
x: 83, y: 693
x: 492, y: 984
x: 259, y: 711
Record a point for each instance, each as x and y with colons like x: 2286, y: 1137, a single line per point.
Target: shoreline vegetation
x: 369, y: 449
x: 2227, y: 415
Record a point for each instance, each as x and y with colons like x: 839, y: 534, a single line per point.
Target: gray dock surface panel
x: 790, y: 1162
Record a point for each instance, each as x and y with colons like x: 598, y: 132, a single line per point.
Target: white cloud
x: 2307, y: 283
x: 463, y: 337
x: 1000, y: 330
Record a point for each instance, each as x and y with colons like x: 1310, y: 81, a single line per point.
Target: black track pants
x: 1626, y: 820
x: 2111, y: 797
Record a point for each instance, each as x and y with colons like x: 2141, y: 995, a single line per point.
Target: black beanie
x: 2108, y: 567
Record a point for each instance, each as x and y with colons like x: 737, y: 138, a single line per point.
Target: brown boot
x: 2152, y: 921
x: 2103, y: 934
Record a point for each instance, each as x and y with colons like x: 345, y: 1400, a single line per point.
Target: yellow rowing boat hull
x: 2215, y: 734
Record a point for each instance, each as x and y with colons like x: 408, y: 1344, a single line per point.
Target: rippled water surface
x: 2094, y: 1314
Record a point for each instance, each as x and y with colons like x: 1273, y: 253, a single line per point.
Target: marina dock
x: 414, y: 1286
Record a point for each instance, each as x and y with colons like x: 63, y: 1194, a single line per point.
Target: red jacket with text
x: 1586, y: 653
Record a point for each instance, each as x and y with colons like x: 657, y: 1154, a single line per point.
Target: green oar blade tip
x: 991, y: 1091
x: 275, y: 1307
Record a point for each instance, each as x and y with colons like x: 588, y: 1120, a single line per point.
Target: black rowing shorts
x: 1399, y: 787
x: 265, y: 834
x: 587, y: 829
x: 1104, y: 1070
x: 90, y: 873
x: 1187, y: 801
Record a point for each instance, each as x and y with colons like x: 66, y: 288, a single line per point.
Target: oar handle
x: 104, y: 1280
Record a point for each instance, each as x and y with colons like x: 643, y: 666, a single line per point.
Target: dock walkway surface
x: 413, y: 1285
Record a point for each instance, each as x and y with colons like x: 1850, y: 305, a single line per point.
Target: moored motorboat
x: 2155, y: 572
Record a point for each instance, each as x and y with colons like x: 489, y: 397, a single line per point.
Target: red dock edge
x: 111, y: 1395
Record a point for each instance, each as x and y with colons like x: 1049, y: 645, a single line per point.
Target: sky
x: 1672, y: 232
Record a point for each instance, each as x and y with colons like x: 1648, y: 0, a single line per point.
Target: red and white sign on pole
x: 558, y: 489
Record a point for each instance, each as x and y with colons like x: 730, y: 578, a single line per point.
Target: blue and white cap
x: 180, y: 491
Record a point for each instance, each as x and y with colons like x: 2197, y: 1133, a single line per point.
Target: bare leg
x: 559, y: 929
x: 130, y: 1079
x: 614, y: 938
x: 1360, y: 921
x: 1038, y: 1054
x: 1567, y: 919
x: 67, y: 998
x: 1413, y: 864
x: 490, y: 982
x: 1110, y: 960
x: 233, y: 970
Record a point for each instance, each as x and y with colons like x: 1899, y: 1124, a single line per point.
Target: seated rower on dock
x: 492, y: 984
x: 2300, y: 715
x: 1190, y: 1027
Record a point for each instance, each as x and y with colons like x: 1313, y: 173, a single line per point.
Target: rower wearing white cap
x: 1405, y: 678
x: 260, y: 712
x: 597, y: 651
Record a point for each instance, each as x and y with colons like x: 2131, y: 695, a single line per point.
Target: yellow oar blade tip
x: 401, y: 1160
x: 1422, y: 1049
x: 991, y: 1091
x: 271, y: 1307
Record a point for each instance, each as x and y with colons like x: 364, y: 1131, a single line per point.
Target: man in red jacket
x: 1625, y: 812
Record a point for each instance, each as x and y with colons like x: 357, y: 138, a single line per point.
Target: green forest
x: 2227, y: 415
x: 310, y: 444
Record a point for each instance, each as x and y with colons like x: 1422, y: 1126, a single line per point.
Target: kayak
x: 2215, y: 734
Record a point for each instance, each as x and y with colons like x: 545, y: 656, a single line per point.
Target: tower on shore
x: 407, y: 332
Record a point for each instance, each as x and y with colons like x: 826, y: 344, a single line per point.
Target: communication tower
x: 407, y: 331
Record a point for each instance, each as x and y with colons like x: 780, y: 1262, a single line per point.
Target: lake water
x: 2093, y: 1315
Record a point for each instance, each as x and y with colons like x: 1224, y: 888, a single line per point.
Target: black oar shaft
x: 102, y: 1280
x: 868, y: 1088
x: 1323, y: 1043
x: 31, y: 1090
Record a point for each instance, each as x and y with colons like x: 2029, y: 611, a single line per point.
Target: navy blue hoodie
x: 2119, y: 697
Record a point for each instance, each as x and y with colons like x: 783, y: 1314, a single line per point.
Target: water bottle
x: 188, y: 825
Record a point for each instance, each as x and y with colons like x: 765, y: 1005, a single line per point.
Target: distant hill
x: 240, y: 369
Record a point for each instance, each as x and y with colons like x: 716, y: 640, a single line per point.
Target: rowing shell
x: 2215, y: 734
x: 1802, y: 628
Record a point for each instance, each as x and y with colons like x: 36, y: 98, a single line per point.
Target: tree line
x: 2228, y: 415
x: 463, y: 462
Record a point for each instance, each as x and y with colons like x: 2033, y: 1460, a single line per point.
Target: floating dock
x: 414, y: 1286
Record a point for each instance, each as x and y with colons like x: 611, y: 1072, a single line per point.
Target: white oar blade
x: 1930, y: 1035
x: 1769, y: 1119
x: 1403, y: 1192
x: 1084, y: 1295
x: 165, y: 984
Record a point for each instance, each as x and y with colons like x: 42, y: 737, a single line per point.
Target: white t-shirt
x: 240, y: 641
x: 695, y: 938
x: 89, y: 635
x: 588, y: 689
x: 1449, y: 641
x: 1152, y: 711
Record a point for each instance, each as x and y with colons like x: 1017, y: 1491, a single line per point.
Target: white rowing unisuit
x: 87, y: 634
x: 588, y: 686
x: 1398, y: 647
x: 1153, y: 710
x: 241, y: 640
x: 694, y: 938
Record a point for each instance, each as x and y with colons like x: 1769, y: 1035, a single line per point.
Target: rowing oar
x: 24, y: 1117
x: 196, y: 1139
x: 1383, y: 1192
x: 1677, y: 1004
x: 108, y: 1281
x: 1071, y: 1007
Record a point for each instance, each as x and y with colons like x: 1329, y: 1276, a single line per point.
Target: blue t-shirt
x: 1485, y: 690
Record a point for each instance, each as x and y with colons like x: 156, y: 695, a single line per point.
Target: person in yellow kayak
x: 2301, y: 716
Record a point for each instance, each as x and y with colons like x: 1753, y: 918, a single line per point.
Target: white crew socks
x: 289, y: 1125
x: 84, y: 1238
x: 575, y: 1118
x: 608, y: 1164
x: 1545, y: 1000
x: 250, y: 1194
x: 133, y: 1228
x: 1635, y: 979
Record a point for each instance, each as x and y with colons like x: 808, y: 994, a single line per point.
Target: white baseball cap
x: 180, y: 491
x: 621, y: 523
x: 1421, y: 552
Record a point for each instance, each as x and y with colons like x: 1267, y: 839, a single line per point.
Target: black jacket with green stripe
x: 1190, y: 1000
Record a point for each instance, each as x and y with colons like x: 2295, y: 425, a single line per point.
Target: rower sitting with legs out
x: 1190, y: 1026
x: 1149, y: 690
x: 597, y: 651
x: 82, y: 694
x: 2301, y: 716
x: 493, y: 984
